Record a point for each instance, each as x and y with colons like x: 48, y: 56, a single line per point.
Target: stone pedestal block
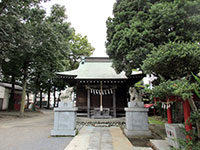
x: 135, y: 104
x: 64, y: 120
x: 137, y: 120
x: 66, y: 104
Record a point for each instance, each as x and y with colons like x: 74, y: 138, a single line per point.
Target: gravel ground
x: 33, y: 131
x: 29, y: 133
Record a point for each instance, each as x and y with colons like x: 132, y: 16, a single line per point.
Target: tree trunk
x: 48, y: 102
x: 54, y: 95
x: 194, y: 109
x: 23, y: 97
x: 40, y: 98
x: 34, y: 100
x: 11, y: 99
x: 27, y: 94
x: 25, y: 73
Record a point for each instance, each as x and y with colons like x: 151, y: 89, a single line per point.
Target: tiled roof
x: 96, y: 68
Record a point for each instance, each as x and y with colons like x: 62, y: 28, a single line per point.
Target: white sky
x: 88, y: 17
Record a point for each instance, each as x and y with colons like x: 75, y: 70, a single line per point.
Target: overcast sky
x: 88, y: 17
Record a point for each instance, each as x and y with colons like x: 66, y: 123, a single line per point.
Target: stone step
x: 160, y: 144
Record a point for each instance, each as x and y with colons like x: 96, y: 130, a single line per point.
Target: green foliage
x: 139, y: 26
x: 57, y: 14
x: 175, y: 21
x: 126, y: 32
x: 139, y: 84
x: 196, y: 78
x: 16, y: 40
x: 196, y: 90
x: 12, y: 29
x: 36, y: 45
x: 156, y: 120
x: 78, y: 47
x: 181, y: 88
x: 188, y: 145
x: 195, y: 116
x: 194, y: 143
x: 51, y: 49
x: 173, y: 60
x: 159, y: 36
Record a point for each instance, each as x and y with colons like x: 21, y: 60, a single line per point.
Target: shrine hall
x: 100, y: 91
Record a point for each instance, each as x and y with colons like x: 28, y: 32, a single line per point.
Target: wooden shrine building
x: 98, y: 87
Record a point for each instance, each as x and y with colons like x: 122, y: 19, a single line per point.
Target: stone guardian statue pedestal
x: 136, y: 118
x: 64, y: 118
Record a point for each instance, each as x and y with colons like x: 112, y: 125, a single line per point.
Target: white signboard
x: 174, y: 132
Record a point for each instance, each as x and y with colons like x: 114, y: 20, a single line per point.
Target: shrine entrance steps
x: 101, y: 138
x: 113, y: 122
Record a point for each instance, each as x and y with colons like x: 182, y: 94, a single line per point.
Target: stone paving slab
x: 81, y: 141
x: 160, y: 144
x: 142, y: 148
x: 101, y: 138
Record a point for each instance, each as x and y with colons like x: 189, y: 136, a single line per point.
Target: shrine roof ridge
x: 97, y: 59
x: 96, y: 68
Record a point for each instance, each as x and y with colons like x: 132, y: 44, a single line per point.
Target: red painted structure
x: 17, y: 101
x: 148, y: 105
x: 169, y: 115
x: 17, y: 106
x: 186, y: 108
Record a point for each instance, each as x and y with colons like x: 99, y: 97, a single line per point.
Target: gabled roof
x: 96, y: 68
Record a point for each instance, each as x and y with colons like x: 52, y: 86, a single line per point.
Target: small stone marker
x: 174, y: 133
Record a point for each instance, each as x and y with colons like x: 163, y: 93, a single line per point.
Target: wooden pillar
x: 169, y: 110
x: 186, y: 107
x: 114, y: 104
x: 169, y: 115
x: 88, y: 103
x: 101, y: 97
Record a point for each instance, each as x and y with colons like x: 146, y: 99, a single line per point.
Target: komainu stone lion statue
x: 66, y: 95
x: 134, y: 95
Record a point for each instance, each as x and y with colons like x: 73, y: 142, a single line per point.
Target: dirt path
x: 30, y: 133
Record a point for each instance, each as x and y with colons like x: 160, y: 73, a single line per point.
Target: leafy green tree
x: 59, y: 49
x: 12, y: 31
x: 162, y: 38
x: 29, y: 36
x: 78, y: 46
x: 37, y: 45
x: 36, y: 28
x: 139, y: 26
x: 12, y: 14
x: 181, y: 88
x: 11, y: 73
x: 173, y: 60
x: 129, y: 34
x: 54, y: 32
